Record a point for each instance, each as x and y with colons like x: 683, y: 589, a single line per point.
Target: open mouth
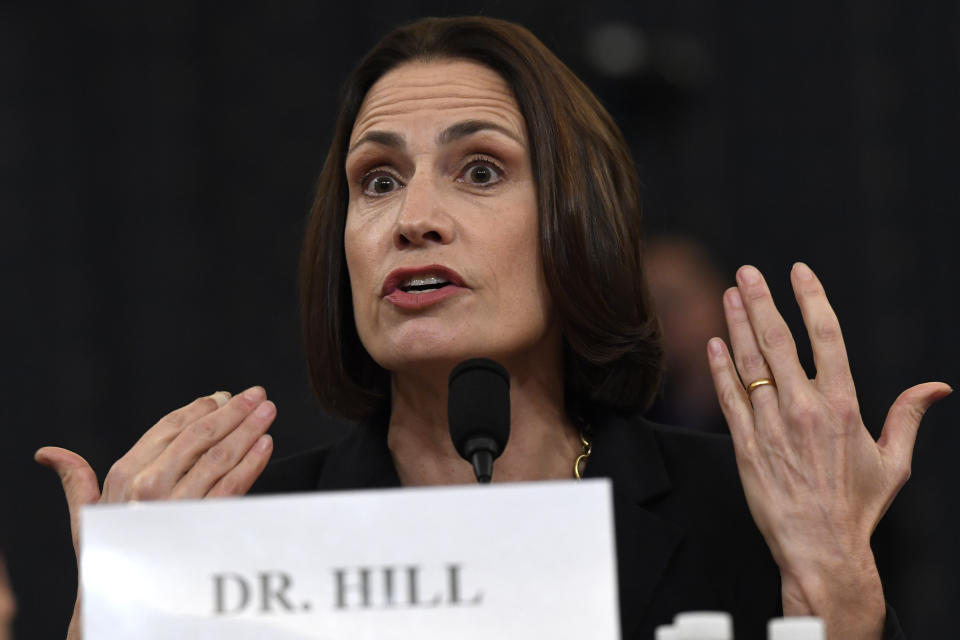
x: 413, y: 289
x: 423, y: 284
x: 414, y: 281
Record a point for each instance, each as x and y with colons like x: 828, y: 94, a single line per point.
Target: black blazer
x: 685, y: 537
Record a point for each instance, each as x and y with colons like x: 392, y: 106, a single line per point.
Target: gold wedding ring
x: 759, y: 383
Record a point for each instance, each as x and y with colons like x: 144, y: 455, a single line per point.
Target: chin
x: 438, y: 359
x: 433, y: 346
x: 429, y: 358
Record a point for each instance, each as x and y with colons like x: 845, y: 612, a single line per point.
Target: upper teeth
x: 422, y: 281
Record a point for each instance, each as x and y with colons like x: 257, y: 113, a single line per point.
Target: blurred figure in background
x: 8, y: 604
x: 687, y: 290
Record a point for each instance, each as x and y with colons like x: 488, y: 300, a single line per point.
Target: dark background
x: 157, y: 161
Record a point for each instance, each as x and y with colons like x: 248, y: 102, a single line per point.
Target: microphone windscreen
x: 478, y: 404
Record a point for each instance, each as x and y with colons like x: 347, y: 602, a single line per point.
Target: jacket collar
x: 626, y: 450
x: 361, y: 460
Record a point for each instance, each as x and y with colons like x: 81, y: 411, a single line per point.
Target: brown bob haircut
x: 589, y: 220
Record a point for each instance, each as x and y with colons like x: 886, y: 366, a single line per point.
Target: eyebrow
x: 469, y: 127
x: 451, y: 134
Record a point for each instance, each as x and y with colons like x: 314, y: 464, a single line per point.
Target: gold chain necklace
x: 584, y: 456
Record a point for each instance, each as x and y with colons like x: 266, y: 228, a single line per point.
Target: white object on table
x: 666, y: 632
x: 704, y: 625
x: 796, y: 628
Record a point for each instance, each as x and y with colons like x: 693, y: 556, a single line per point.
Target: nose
x: 422, y: 219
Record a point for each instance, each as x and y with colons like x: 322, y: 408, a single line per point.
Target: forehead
x: 438, y: 92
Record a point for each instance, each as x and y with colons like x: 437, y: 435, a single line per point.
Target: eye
x: 482, y: 172
x: 379, y: 183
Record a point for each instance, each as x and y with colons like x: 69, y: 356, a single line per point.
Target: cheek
x: 359, y: 265
x: 520, y: 265
x: 352, y: 252
x: 529, y: 241
x: 359, y: 246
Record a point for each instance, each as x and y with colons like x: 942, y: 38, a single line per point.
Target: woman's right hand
x: 215, y: 446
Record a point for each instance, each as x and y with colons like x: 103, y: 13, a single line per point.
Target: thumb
x: 79, y: 482
x: 903, y: 420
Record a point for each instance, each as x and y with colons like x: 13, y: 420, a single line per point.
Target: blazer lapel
x: 627, y: 452
x: 361, y: 460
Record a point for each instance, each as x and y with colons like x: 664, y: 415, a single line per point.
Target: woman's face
x: 441, y: 234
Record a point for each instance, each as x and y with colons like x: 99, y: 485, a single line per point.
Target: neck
x: 543, y: 441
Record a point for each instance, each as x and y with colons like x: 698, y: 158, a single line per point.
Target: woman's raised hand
x: 215, y: 446
x: 815, y: 480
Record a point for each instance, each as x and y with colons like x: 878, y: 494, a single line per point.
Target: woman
x: 477, y: 200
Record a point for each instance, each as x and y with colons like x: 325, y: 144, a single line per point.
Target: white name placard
x: 527, y: 560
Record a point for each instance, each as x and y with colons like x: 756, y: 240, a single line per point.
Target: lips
x: 418, y: 287
x: 412, y: 279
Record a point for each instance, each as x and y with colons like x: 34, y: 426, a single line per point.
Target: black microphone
x: 478, y: 407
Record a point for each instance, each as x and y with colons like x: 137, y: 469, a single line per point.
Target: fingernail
x: 733, y: 297
x: 220, y: 397
x: 715, y: 346
x: 803, y: 271
x: 749, y: 274
x: 263, y: 443
x: 265, y: 410
x: 255, y: 394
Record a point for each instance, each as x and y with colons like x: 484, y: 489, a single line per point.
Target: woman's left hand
x: 816, y: 481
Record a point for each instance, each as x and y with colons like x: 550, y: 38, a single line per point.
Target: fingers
x: 156, y: 439
x: 903, y: 421
x: 823, y: 328
x: 222, y: 459
x: 771, y: 333
x: 79, y: 482
x: 239, y: 479
x: 733, y: 399
x: 751, y: 363
x: 157, y: 479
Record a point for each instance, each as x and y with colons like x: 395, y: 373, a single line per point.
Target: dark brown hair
x: 589, y: 221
